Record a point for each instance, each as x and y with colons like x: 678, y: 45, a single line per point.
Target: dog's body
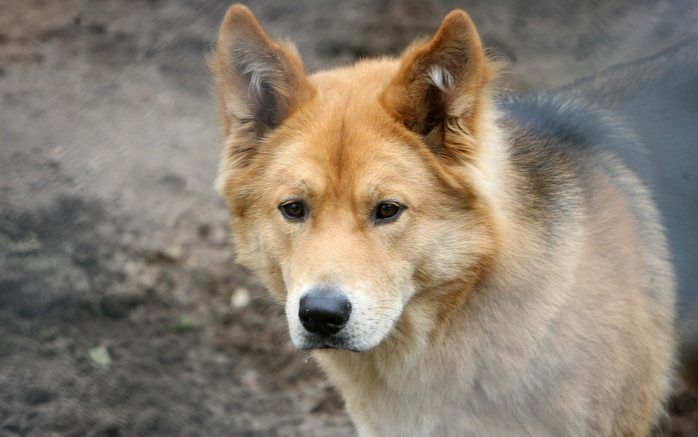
x: 581, y: 286
x: 498, y: 269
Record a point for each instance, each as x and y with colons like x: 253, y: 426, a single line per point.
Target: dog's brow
x: 373, y: 191
x: 382, y: 190
x: 298, y: 186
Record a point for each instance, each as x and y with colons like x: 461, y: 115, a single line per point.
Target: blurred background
x: 121, y: 311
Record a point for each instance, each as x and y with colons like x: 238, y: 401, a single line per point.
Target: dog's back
x: 657, y: 99
x: 581, y: 194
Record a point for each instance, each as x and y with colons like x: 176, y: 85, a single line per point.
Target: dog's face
x: 350, y: 190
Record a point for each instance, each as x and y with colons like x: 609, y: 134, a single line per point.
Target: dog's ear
x: 440, y: 86
x: 259, y: 81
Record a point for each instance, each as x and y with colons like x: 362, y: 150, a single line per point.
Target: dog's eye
x: 387, y: 212
x: 293, y: 210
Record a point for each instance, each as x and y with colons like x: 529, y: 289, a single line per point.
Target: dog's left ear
x: 440, y: 86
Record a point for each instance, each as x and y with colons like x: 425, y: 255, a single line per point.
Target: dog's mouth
x: 316, y: 342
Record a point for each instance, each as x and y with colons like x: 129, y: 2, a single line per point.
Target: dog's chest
x: 488, y: 393
x: 450, y: 410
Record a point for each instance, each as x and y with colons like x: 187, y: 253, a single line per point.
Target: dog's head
x: 352, y: 191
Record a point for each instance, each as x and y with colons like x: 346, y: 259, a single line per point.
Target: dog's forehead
x: 364, y: 79
x: 348, y: 144
x: 348, y: 157
x: 344, y: 137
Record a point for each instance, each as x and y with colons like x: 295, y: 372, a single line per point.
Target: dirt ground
x: 121, y: 311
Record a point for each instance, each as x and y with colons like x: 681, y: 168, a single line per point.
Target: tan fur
x: 475, y: 321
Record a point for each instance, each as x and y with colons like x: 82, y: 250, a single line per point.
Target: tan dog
x: 460, y: 266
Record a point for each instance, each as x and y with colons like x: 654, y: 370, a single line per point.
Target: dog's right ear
x: 259, y: 82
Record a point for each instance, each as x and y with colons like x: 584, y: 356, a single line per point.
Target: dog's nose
x: 324, y: 311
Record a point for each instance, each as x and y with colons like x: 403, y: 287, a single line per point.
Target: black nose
x: 324, y: 311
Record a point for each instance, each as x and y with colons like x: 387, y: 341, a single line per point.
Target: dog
x: 460, y: 263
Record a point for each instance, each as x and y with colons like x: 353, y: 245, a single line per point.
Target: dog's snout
x: 324, y: 311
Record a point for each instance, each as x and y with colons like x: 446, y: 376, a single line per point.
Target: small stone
x: 173, y: 252
x: 250, y: 381
x: 99, y: 356
x: 240, y: 298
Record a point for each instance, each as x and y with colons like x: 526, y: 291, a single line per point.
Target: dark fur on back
x: 646, y: 114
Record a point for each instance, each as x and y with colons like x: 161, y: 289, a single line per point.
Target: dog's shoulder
x: 579, y: 151
x: 559, y: 144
